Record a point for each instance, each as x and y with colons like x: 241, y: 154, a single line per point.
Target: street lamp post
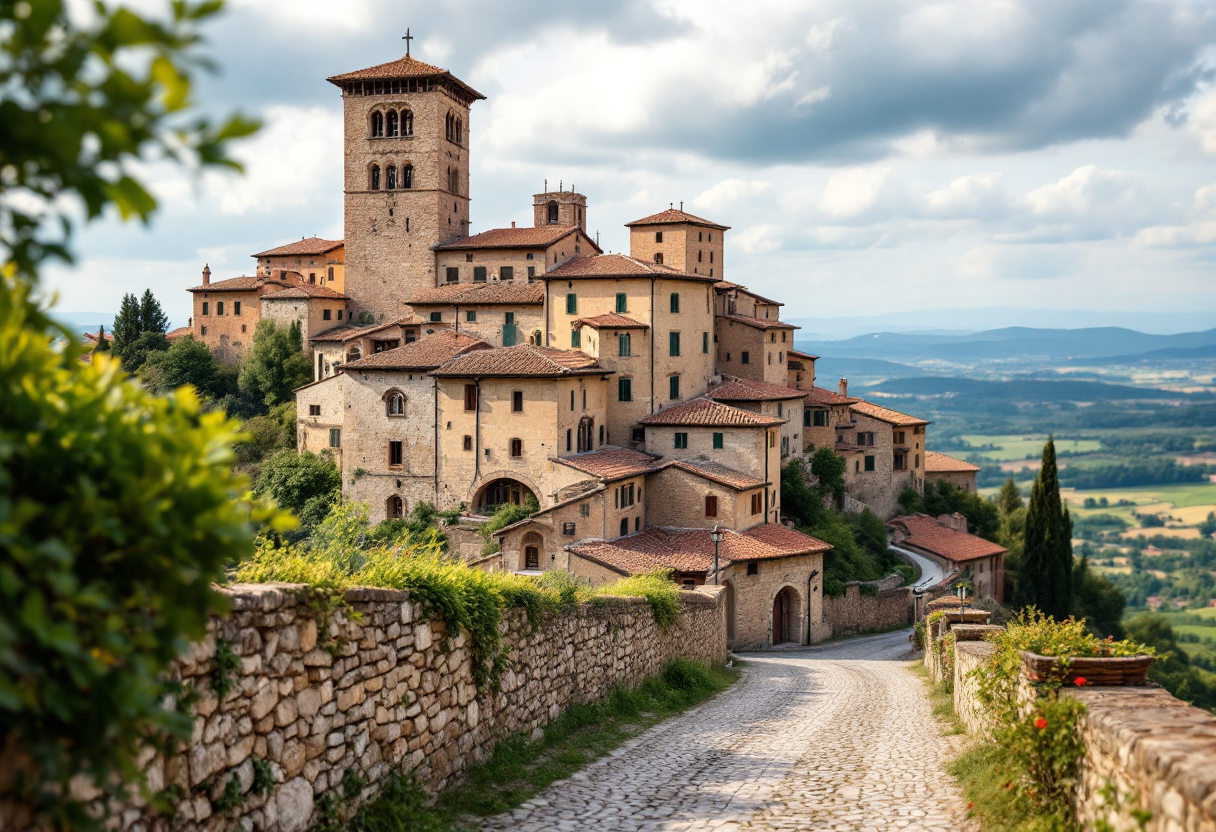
x: 717, y: 537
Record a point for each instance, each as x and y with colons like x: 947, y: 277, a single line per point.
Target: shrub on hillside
x: 308, y: 484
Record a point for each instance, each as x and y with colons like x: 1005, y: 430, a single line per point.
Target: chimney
x: 190, y: 322
x: 844, y: 387
x: 959, y: 523
x: 206, y: 275
x: 512, y: 223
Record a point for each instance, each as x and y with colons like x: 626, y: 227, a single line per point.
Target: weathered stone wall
x: 969, y: 655
x: 854, y: 612
x: 389, y: 692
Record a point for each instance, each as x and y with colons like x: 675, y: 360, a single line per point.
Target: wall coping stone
x: 974, y: 632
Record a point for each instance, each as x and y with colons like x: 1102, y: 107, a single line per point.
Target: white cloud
x: 977, y: 196
x: 814, y: 97
x: 858, y: 191
x: 1082, y: 191
x: 757, y: 239
x: 727, y: 193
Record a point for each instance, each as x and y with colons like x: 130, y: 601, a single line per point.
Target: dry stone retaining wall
x: 856, y: 613
x: 341, y: 708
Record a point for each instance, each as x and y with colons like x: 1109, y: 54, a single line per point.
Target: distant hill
x: 1018, y: 390
x: 829, y: 371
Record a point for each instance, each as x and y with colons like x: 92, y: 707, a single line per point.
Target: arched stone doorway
x: 532, y: 550
x: 586, y: 434
x: 786, y: 615
x: 394, y: 508
x: 730, y: 613
x: 500, y: 492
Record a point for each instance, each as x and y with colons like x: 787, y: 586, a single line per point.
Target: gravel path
x: 838, y: 736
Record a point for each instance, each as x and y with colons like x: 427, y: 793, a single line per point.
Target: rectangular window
x: 206, y: 308
x: 658, y: 236
x: 718, y: 441
x: 624, y: 389
x: 453, y: 274
x: 869, y: 463
x: 624, y: 344
x: 681, y: 440
x: 479, y: 274
x: 745, y: 357
x: 395, y: 454
x: 624, y: 526
x: 470, y: 397
x: 673, y: 385
x: 821, y: 418
x: 517, y: 401
x: 325, y: 313
x: 638, y: 434
x: 468, y: 442
x: 219, y: 307
x: 675, y: 303
x: 757, y: 503
x: 569, y: 440
x: 470, y: 316
x: 335, y: 437
x: 621, y: 302
x: 509, y: 318
x: 711, y: 505
x: 917, y: 463
x: 753, y: 567
x: 673, y: 343
x: 704, y: 343
x: 204, y: 330
x: 899, y: 461
x: 531, y: 256
x: 436, y: 317
x: 339, y: 314
x: 568, y: 529
x: 897, y: 438
x: 506, y: 272
x: 571, y: 304
x: 517, y: 447
x: 772, y: 439
x: 806, y: 418
x: 531, y: 272
x: 236, y: 307
x: 314, y: 410
x: 576, y: 338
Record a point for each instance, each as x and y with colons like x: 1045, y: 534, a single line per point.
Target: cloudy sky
x: 872, y: 158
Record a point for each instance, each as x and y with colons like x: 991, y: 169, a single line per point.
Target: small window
x: 468, y: 442
x: 395, y: 508
x: 757, y: 503
x: 479, y: 274
x: 436, y: 317
x: 718, y: 441
x: 584, y: 510
x: 314, y: 410
x: 395, y: 454
x: 658, y: 236
x: 624, y: 389
x: 236, y: 307
x: 508, y: 318
x: 681, y: 442
x: 568, y: 529
x: 673, y: 343
x: 219, y: 307
x: 576, y: 338
x: 753, y: 567
x: 335, y: 437
x: 390, y: 177
x: 601, y: 434
x: 917, y: 463
x: 898, y: 437
x: 572, y: 304
x: 453, y: 274
x: 470, y: 397
x: 375, y: 177
x: 339, y: 314
x: 517, y: 401
x: 624, y: 526
x: 552, y: 217
x: 407, y: 181
x: 711, y: 505
x: 325, y: 314
x: 206, y: 308
x: 470, y: 316
x: 658, y: 258
x: 517, y: 447
x: 675, y: 303
x: 396, y: 404
x: 377, y: 124
x: 821, y: 418
x: 204, y: 330
x: 531, y: 272
x: 331, y: 274
x: 673, y: 385
x: 705, y: 343
x: 506, y: 272
x: 624, y: 344
x: 621, y: 299
x: 530, y: 256
x: 745, y: 357
x: 869, y: 463
x: 468, y: 258
x: 569, y: 440
x: 638, y: 434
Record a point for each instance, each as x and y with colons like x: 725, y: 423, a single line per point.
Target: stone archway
x: 499, y: 492
x: 586, y: 434
x: 787, y: 616
x: 531, y: 551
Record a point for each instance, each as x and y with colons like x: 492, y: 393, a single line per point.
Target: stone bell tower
x: 406, y: 174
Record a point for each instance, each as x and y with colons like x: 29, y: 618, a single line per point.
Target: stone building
x: 884, y: 454
x: 945, y: 539
x: 317, y: 262
x: 226, y: 312
x: 314, y: 308
x: 957, y: 472
x: 680, y: 241
x: 503, y: 314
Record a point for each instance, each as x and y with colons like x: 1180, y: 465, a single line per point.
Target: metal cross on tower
x: 407, y: 38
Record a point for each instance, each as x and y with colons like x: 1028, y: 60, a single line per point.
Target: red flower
x: 1080, y: 681
x: 1110, y: 638
x: 1040, y: 723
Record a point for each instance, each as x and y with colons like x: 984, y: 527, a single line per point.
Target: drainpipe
x: 811, y: 577
x: 766, y: 477
x: 477, y: 435
x: 652, y: 337
x: 435, y: 396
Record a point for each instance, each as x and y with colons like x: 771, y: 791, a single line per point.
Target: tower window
x: 675, y: 303
x: 407, y: 179
x: 375, y: 177
x: 390, y: 178
x: 673, y: 344
x: 624, y: 390
x: 658, y: 257
x: 552, y: 213
x: 395, y: 454
x: 407, y: 123
x: 392, y: 123
x: 517, y: 447
x: 621, y: 300
x: 395, y: 405
x: 453, y: 182
x: 377, y: 124
x: 658, y: 236
x: 674, y: 387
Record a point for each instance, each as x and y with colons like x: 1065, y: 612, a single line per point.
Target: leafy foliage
x: 185, y: 361
x: 504, y: 516
x: 117, y: 511
x: 657, y: 588
x: 1044, y: 578
x: 308, y: 484
x: 1173, y: 669
x: 275, y: 364
x: 983, y: 516
x: 1097, y: 600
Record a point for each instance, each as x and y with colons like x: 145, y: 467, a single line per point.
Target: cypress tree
x: 102, y: 344
x: 1045, y: 573
x: 127, y: 324
x: 152, y: 317
x: 1010, y: 499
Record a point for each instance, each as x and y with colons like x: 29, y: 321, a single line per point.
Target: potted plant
x: 1065, y: 652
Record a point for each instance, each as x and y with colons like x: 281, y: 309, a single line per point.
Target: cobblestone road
x: 836, y: 737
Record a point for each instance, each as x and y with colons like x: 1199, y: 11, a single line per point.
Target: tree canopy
x: 1045, y: 574
x: 275, y: 364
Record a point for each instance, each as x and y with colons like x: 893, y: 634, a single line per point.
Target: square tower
x: 561, y: 208
x: 406, y: 175
x: 680, y: 240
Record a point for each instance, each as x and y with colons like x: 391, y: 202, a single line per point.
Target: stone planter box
x: 1117, y: 670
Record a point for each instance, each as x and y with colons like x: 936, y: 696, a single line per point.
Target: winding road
x: 838, y: 736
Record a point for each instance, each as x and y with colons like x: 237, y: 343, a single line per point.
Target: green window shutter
x: 675, y: 302
x: 674, y: 385
x: 620, y: 302
x: 673, y: 343
x: 681, y: 441
x: 705, y: 343
x: 509, y: 335
x: 572, y: 304
x: 717, y: 441
x: 509, y: 318
x: 576, y: 339
x: 624, y: 344
x: 624, y: 390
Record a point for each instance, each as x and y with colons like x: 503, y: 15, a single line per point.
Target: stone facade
x: 751, y: 602
x: 855, y: 612
x: 390, y: 693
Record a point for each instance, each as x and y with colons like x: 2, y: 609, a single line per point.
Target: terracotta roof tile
x: 703, y: 412
x: 826, y: 398
x: 691, y: 550
x: 746, y: 390
x: 306, y: 290
x: 180, y: 332
x: 502, y: 293
x: 425, y: 354
x: 610, y: 321
x: 885, y: 414
x: 538, y: 237
x: 759, y: 323
x: 610, y: 462
x: 308, y: 245
x: 349, y: 332
x: 404, y: 67
x: 617, y: 265
x: 521, y: 361
x: 941, y: 463
x: 716, y: 472
x: 241, y: 284
x: 927, y: 533
x: 801, y: 354
x: 727, y: 286
x: 673, y: 217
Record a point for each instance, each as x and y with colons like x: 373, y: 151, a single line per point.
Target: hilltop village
x: 645, y: 402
